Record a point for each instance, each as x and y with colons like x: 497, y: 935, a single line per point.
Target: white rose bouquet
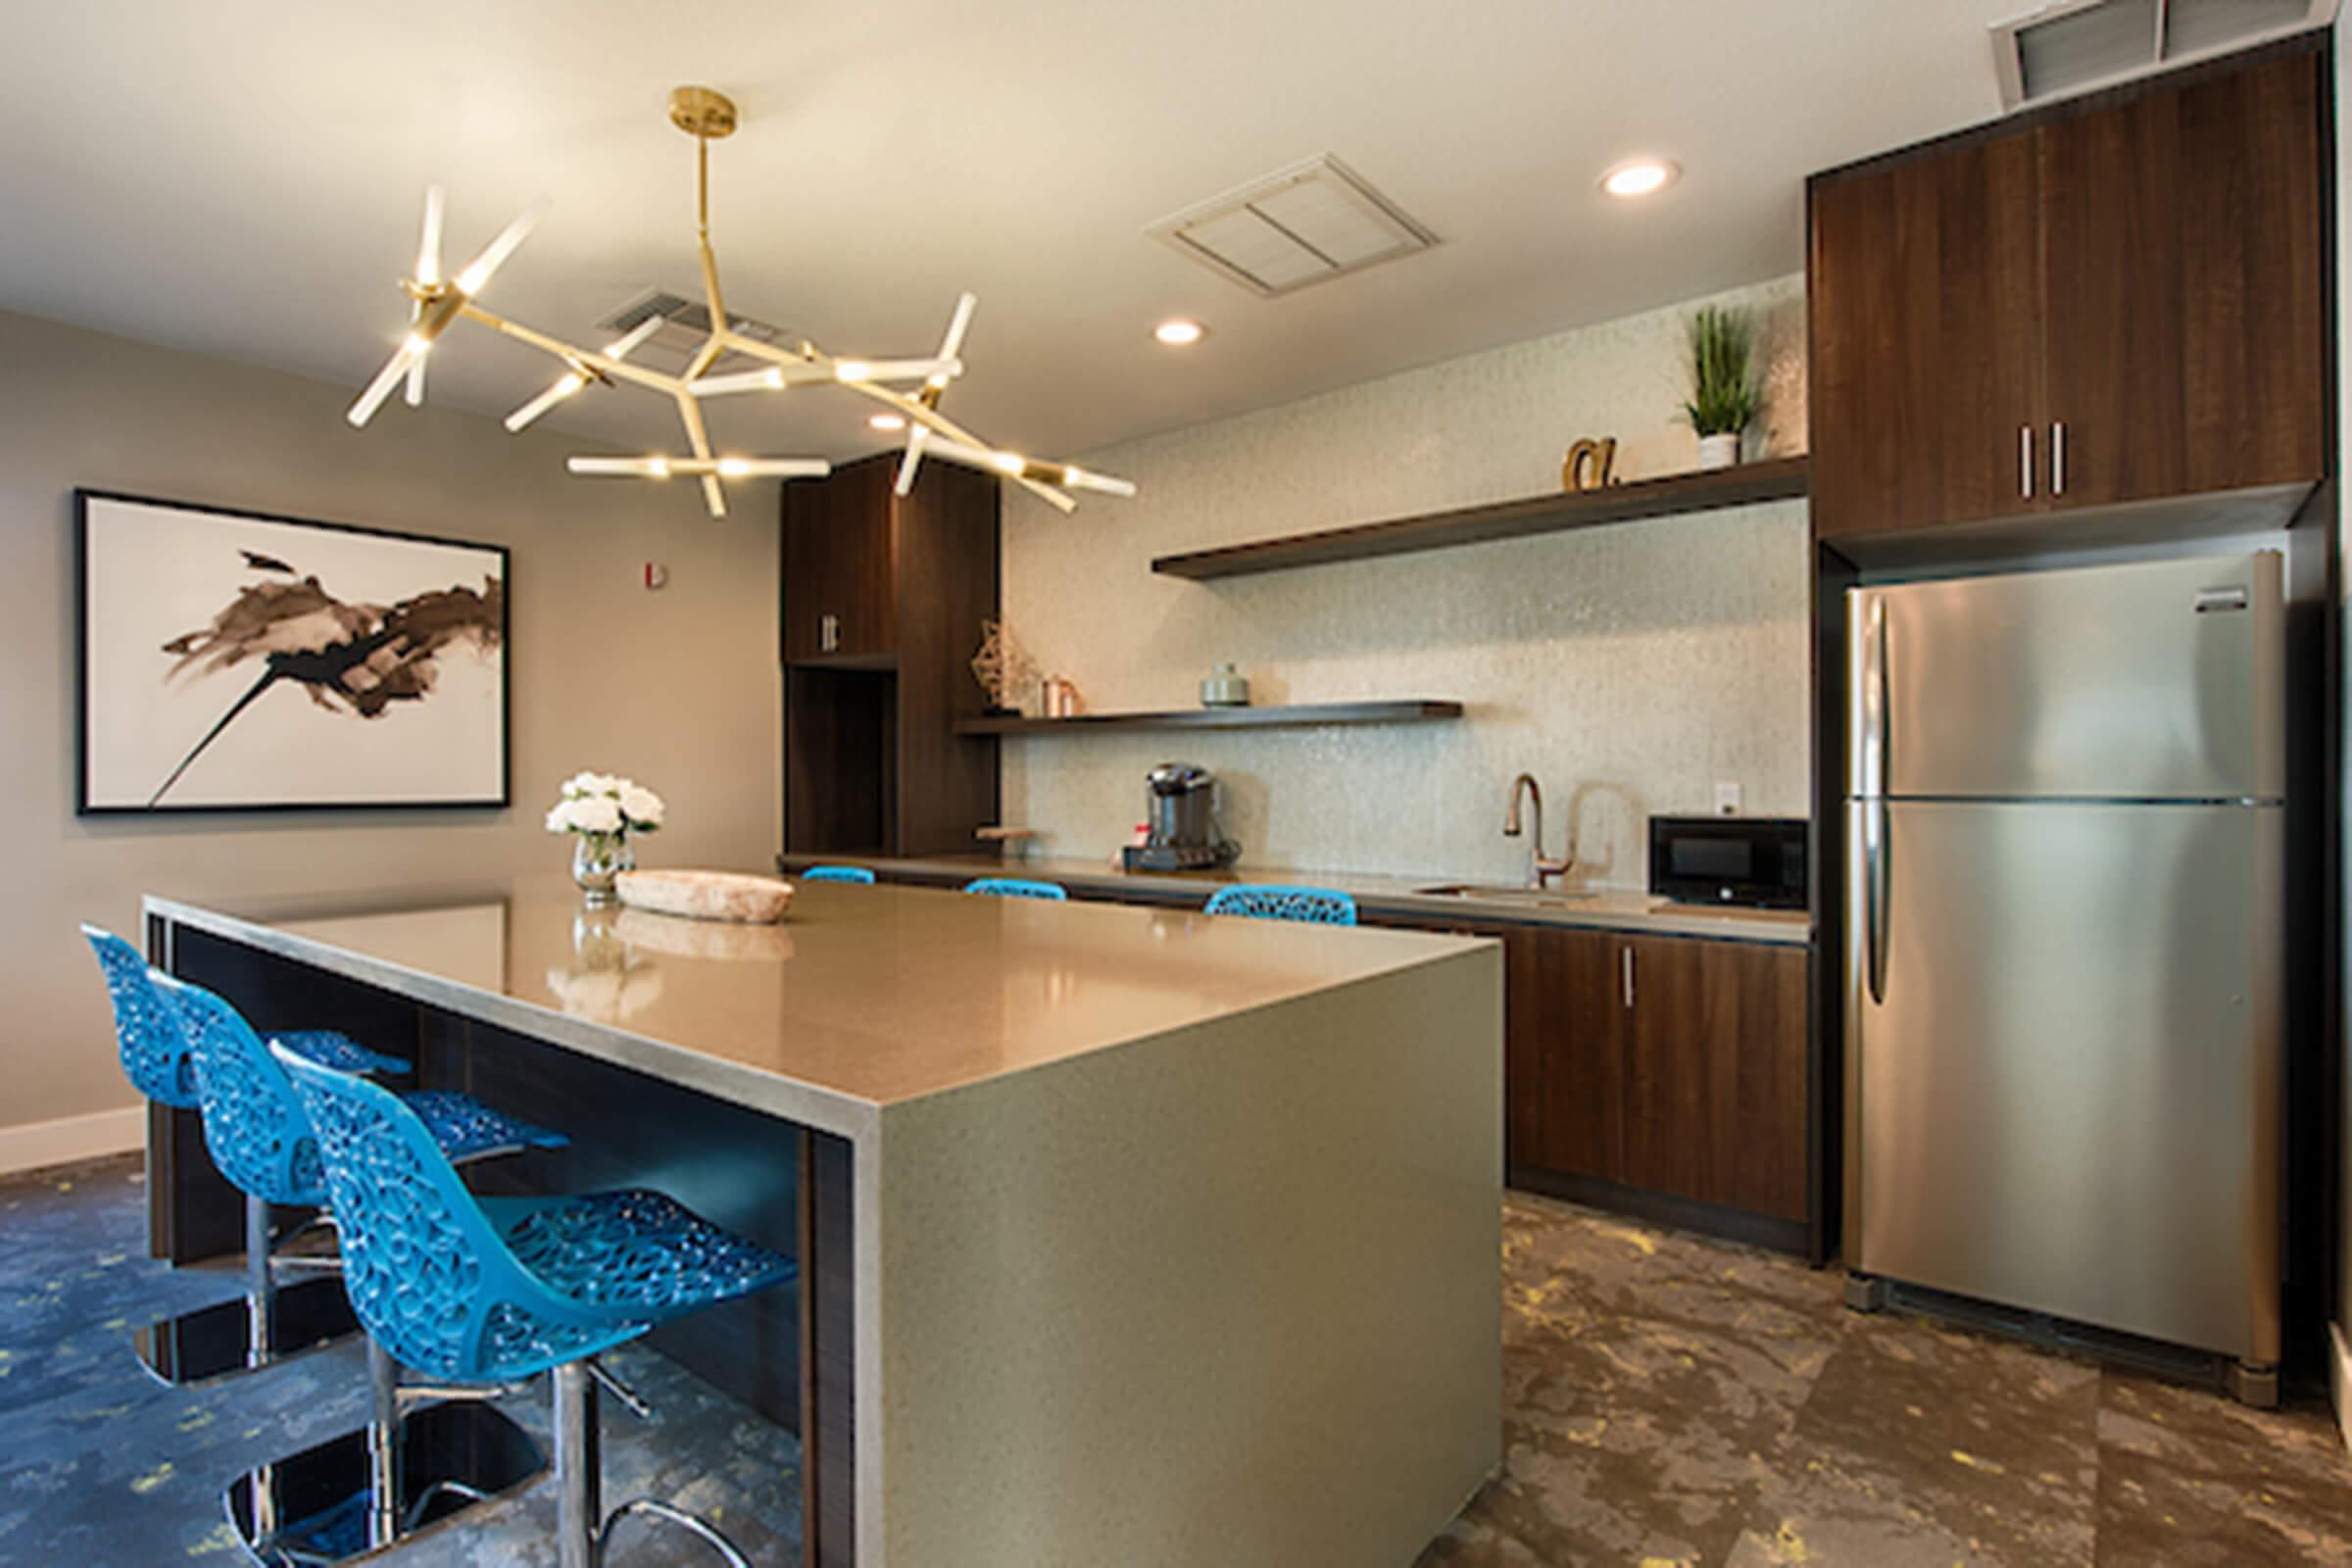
x: 602, y: 810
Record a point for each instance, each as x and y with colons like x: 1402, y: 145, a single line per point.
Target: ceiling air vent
x: 686, y: 323
x: 1307, y: 223
x: 2072, y: 46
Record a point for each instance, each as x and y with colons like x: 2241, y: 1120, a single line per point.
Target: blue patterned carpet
x: 102, y: 1467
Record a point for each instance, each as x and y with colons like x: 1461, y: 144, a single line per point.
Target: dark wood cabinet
x: 1714, y: 1052
x: 882, y: 601
x: 1657, y: 1065
x: 841, y: 547
x: 2118, y: 300
x: 1926, y: 340
x: 2185, y: 346
x: 1561, y: 1063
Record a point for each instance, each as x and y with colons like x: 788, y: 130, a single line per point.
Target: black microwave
x: 1755, y: 860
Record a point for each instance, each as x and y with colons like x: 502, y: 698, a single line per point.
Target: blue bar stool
x: 348, y: 1495
x: 487, y: 1289
x: 839, y: 873
x: 1273, y: 901
x: 1013, y: 887
x: 265, y: 1325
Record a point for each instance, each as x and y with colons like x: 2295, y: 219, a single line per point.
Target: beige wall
x: 1630, y: 669
x: 679, y: 688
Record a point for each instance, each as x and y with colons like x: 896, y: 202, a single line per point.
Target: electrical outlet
x: 1727, y: 798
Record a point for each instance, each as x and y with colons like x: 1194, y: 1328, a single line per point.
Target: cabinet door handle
x: 2058, y: 458
x: 828, y: 633
x: 2025, y: 461
x: 1628, y: 975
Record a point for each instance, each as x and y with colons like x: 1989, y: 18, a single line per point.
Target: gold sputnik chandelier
x: 706, y: 116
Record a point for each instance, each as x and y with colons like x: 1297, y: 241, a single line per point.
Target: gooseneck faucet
x: 1542, y: 871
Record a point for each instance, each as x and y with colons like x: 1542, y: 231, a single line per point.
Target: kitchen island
x: 1126, y: 1235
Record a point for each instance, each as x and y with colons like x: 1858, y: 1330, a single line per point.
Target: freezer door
x: 2062, y: 1061
x: 2163, y: 680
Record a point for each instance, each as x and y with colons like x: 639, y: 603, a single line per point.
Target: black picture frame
x: 84, y: 496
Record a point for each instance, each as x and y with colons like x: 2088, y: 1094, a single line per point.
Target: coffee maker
x: 1184, y: 835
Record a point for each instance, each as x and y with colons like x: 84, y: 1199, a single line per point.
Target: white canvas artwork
x: 240, y: 662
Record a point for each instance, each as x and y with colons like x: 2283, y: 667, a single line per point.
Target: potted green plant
x: 1725, y: 398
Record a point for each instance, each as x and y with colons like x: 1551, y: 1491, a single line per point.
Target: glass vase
x: 595, y: 860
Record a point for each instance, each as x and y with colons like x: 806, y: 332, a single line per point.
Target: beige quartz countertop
x: 861, y: 999
x: 1613, y: 909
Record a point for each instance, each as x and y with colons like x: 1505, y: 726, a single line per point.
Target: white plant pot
x: 1718, y: 451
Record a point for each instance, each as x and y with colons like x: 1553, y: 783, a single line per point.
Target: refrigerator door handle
x: 1874, y: 899
x: 1874, y: 729
x: 1873, y: 734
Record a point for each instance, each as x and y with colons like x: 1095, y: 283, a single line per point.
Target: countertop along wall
x: 1628, y: 667
x: 678, y: 687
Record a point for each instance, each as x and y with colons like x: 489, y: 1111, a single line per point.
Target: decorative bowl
x: 706, y: 895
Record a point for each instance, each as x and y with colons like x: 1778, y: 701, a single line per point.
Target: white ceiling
x: 243, y: 178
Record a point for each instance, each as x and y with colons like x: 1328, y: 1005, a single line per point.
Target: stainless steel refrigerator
x: 2063, y: 963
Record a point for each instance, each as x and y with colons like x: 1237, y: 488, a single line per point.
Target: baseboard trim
x: 37, y: 1145
x: 1661, y: 1208
x: 2339, y: 1380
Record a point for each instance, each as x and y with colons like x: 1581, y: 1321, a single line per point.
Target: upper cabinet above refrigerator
x: 2116, y: 300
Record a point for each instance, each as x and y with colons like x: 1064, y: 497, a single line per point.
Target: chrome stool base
x: 583, y: 1530
x: 314, y: 1507
x: 219, y: 1342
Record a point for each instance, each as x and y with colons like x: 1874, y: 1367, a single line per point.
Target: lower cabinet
x: 1667, y: 1065
x: 1710, y: 1046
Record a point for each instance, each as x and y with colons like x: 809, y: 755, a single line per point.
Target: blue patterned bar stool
x: 1013, y: 887
x: 488, y: 1290
x: 348, y: 1495
x: 1271, y: 900
x: 839, y: 873
x: 265, y: 1325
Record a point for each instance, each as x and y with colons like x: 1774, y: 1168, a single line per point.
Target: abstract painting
x: 232, y: 661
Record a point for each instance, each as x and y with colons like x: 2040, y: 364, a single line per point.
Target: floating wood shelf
x: 1778, y: 479
x: 1405, y: 713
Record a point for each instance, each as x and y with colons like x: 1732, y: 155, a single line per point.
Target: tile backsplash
x: 1630, y: 669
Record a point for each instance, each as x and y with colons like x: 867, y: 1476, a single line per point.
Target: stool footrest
x: 216, y: 1341
x: 654, y: 1508
x: 610, y: 1381
x: 312, y: 1508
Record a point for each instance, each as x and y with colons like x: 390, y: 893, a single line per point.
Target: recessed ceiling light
x: 1178, y: 332
x: 887, y: 422
x: 1640, y: 176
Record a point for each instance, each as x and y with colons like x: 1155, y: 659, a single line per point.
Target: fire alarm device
x: 657, y: 576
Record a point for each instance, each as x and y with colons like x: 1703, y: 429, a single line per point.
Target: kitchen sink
x: 1542, y: 898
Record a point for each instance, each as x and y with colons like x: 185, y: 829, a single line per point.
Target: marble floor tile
x: 1923, y: 1444
x: 2190, y: 1478
x: 1644, y: 1377
x: 1675, y: 1400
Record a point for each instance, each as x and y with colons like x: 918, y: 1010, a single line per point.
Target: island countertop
x: 862, y: 997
